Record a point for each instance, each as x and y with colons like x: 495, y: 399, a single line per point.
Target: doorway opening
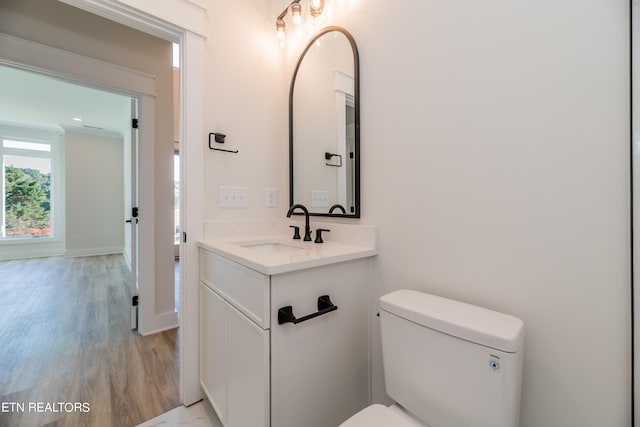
x: 67, y: 317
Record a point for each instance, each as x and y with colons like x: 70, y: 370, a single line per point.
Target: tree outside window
x: 27, y: 190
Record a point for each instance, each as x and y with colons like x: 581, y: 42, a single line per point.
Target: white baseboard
x: 75, y: 253
x: 24, y: 253
x: 161, y: 322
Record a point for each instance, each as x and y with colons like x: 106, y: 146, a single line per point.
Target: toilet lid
x: 380, y: 416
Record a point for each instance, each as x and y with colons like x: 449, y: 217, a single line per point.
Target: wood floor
x: 67, y: 354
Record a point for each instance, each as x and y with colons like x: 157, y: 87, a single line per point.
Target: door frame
x: 183, y: 22
x: 131, y: 204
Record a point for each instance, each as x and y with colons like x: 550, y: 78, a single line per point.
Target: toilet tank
x: 449, y: 363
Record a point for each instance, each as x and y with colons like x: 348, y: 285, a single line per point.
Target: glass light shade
x: 315, y: 8
x: 296, y: 13
x: 281, y: 28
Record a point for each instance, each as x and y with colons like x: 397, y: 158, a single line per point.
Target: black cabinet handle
x: 285, y: 314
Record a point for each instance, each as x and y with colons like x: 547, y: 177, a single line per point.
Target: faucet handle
x: 319, y: 234
x: 296, y: 232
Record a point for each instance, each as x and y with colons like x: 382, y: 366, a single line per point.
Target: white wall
x: 495, y: 159
x: 94, y: 205
x: 244, y: 101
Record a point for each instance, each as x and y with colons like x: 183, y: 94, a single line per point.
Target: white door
x: 132, y: 222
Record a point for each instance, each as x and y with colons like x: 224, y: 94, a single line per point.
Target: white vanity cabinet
x: 258, y: 372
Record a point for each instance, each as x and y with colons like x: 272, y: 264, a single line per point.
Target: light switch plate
x: 233, y: 197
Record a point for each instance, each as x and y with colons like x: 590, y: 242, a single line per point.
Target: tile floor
x: 198, y: 415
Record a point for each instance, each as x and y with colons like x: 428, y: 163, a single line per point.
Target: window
x: 176, y: 55
x: 26, y: 189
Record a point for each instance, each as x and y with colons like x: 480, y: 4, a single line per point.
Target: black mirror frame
x: 356, y: 98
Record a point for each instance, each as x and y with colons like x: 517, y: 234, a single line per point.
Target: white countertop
x: 308, y: 255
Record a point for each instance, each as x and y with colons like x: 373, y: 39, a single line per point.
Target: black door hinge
x: 134, y: 300
x: 184, y: 237
x: 134, y: 123
x: 134, y: 212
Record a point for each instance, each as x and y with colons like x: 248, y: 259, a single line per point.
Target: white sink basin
x: 271, y: 247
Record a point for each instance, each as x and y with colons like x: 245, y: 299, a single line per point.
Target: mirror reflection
x: 324, y: 126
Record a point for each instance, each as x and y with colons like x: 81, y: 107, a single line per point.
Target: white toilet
x: 446, y: 364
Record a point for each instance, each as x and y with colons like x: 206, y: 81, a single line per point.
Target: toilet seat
x: 378, y: 415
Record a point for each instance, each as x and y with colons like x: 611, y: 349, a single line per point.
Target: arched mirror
x: 324, y: 126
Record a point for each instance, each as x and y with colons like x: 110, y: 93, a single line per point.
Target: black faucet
x: 307, y: 228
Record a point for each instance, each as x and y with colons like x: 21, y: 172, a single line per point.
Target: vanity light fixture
x: 316, y: 10
x: 281, y: 25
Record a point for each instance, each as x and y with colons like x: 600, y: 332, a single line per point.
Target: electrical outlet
x: 233, y: 197
x: 270, y: 197
x: 319, y: 199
